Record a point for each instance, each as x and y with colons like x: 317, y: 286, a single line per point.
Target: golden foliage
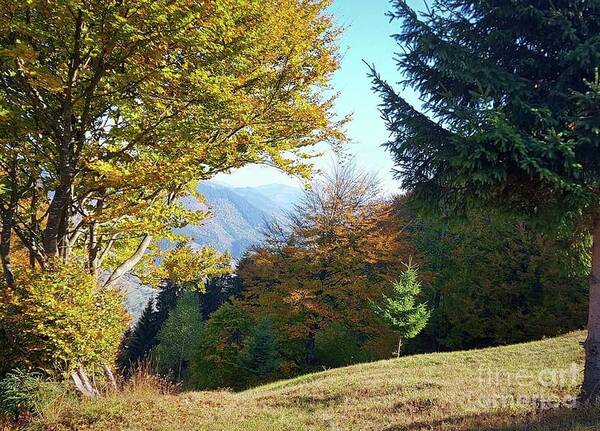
x: 57, y: 320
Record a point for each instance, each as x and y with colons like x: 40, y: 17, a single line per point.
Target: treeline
x: 305, y: 299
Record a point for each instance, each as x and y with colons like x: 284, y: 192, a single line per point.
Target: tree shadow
x: 581, y: 419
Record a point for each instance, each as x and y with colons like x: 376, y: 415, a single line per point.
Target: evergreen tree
x: 143, y: 337
x: 179, y: 337
x: 218, y: 361
x: 261, y: 358
x: 138, y: 340
x: 505, y: 89
x: 400, y: 310
x: 166, y: 300
x: 496, y: 279
x: 218, y: 291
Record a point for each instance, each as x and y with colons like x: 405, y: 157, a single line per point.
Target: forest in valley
x: 113, y: 114
x: 306, y: 298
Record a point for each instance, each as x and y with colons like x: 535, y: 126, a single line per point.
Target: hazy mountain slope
x: 136, y: 295
x: 274, y: 199
x: 240, y: 215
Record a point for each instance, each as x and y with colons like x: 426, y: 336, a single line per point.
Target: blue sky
x: 367, y: 37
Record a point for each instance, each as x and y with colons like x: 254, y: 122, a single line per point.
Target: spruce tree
x: 138, y: 340
x: 260, y: 358
x: 400, y: 310
x: 142, y: 338
x: 508, y: 115
x: 179, y: 337
x: 218, y: 291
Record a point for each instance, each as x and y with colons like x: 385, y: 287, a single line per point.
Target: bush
x: 218, y: 362
x: 54, y: 321
x: 23, y: 392
x: 337, y: 346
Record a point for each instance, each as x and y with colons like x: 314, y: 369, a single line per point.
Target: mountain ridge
x: 239, y: 217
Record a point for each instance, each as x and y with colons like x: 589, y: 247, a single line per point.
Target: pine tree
x: 505, y: 92
x: 179, y: 337
x: 260, y: 357
x: 142, y: 338
x: 401, y: 310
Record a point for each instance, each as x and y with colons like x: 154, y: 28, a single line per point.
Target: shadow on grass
x: 584, y: 419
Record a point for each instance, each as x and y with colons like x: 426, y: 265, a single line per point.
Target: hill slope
x: 491, y: 389
x: 240, y: 214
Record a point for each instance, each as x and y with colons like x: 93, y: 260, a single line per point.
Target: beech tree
x: 112, y: 111
x: 509, y: 115
x: 339, y: 250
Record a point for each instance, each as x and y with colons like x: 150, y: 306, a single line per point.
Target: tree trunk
x: 399, y: 346
x: 128, y: 265
x: 55, y: 222
x: 591, y: 378
x: 82, y: 383
x: 110, y: 377
x: 311, y: 351
x: 33, y: 222
x: 5, y: 238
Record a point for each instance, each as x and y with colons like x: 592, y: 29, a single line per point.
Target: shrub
x: 23, y: 392
x: 337, y: 346
x: 54, y: 321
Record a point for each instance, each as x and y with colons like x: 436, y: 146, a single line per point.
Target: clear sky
x: 366, y: 37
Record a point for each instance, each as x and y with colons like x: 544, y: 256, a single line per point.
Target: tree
x: 144, y: 336
x: 138, y: 344
x: 179, y: 337
x: 400, y: 310
x: 138, y: 341
x: 235, y: 350
x: 260, y: 357
x: 497, y: 279
x: 337, y: 346
x: 110, y: 112
x: 505, y: 87
x: 217, y: 363
x: 218, y: 291
x: 340, y: 250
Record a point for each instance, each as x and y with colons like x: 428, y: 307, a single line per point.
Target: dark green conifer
x: 508, y: 115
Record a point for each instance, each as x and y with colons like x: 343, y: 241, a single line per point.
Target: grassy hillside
x: 492, y: 389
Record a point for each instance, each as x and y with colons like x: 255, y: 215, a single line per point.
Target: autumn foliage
x: 57, y: 321
x: 342, y: 250
x: 111, y: 112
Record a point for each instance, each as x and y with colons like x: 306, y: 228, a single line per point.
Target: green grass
x: 502, y: 388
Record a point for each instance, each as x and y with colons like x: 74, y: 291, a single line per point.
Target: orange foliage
x: 329, y: 272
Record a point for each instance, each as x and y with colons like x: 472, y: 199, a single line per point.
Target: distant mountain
x: 273, y: 199
x: 239, y: 216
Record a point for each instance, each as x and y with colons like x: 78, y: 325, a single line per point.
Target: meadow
x: 527, y: 386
